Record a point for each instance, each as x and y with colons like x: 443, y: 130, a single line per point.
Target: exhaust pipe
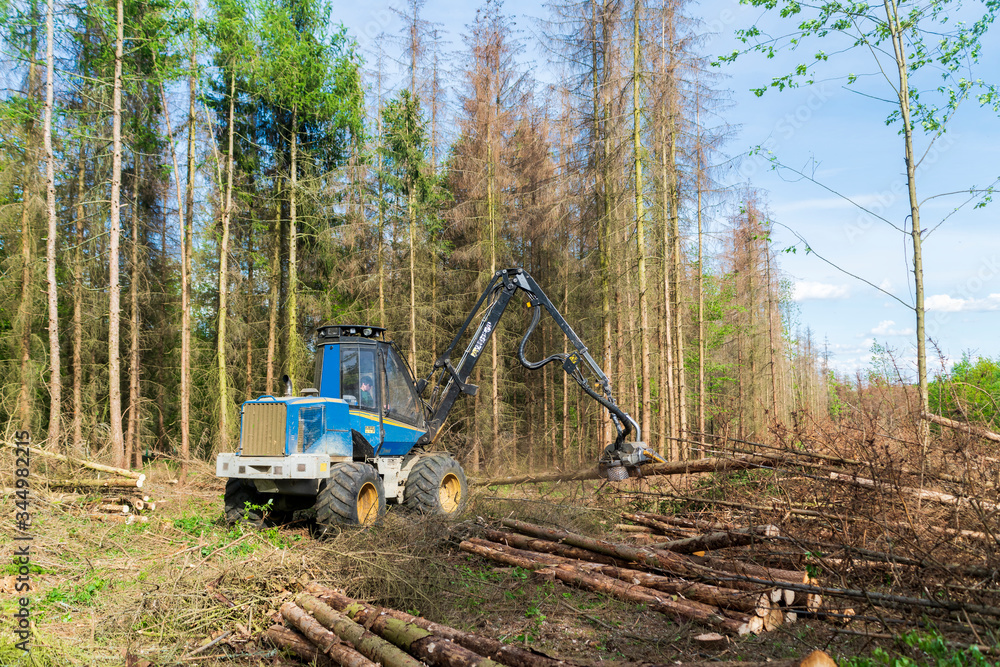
x: 288, y: 385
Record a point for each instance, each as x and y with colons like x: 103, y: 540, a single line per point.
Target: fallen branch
x: 130, y: 483
x: 923, y: 494
x: 961, y: 426
x: 100, y: 467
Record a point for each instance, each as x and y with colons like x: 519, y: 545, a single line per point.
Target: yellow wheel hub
x: 367, y: 504
x: 450, y: 493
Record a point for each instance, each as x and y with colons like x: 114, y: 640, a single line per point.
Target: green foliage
x: 922, y: 649
x: 969, y: 392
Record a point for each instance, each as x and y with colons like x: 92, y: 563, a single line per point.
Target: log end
x: 818, y: 659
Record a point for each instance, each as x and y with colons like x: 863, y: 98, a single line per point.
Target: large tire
x: 436, y: 485
x: 239, y: 492
x: 352, y: 495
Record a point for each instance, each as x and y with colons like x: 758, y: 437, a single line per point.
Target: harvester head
x: 621, y: 460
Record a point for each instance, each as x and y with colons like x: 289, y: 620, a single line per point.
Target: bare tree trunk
x: 293, y: 264
x: 77, y: 426
x: 221, y: 343
x: 185, y: 223
x: 252, y: 297
x: 272, y: 320
x: 55, y: 376
x: 646, y: 373
x: 24, y: 311
x: 701, y: 296
x: 114, y: 307
x: 411, y: 212
x: 133, y: 348
x: 903, y: 92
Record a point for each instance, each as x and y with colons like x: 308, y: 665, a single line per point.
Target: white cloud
x: 886, y: 328
x: 886, y: 285
x: 948, y: 304
x: 805, y: 289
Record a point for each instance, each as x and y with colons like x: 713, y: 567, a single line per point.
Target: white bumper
x: 295, y: 466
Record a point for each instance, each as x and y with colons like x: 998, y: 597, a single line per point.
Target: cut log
x: 654, y: 525
x: 127, y: 519
x: 628, y: 528
x: 814, y: 659
x: 604, y: 584
x: 293, y: 642
x: 100, y: 467
x: 323, y: 639
x: 112, y: 483
x: 726, y: 598
x: 507, y: 654
x: 367, y: 643
x: 670, y: 468
x: 697, y: 524
x: 111, y: 508
x: 713, y: 541
x: 549, y: 547
x: 978, y: 431
x: 769, y: 574
x: 415, y: 640
x: 669, y: 561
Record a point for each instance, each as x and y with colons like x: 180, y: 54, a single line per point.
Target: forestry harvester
x: 364, y: 434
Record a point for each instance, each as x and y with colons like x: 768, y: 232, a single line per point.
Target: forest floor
x: 155, y: 593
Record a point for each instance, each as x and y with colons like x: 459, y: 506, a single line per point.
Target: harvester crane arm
x: 451, y: 380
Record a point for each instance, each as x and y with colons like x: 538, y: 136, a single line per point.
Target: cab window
x: 357, y: 376
x: 401, y: 399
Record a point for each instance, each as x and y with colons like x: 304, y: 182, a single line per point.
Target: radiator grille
x: 263, y: 432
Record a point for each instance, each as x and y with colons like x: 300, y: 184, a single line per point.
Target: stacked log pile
x: 325, y: 627
x: 725, y: 594
x: 113, y: 495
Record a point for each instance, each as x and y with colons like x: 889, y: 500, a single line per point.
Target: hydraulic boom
x: 448, y: 380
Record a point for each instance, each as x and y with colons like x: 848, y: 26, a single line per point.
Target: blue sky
x: 839, y: 138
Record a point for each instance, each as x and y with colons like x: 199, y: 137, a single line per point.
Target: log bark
x: 293, y: 642
x: 727, y: 598
x: 669, y: 561
x: 601, y: 583
x: 697, y: 524
x: 96, y: 483
x: 771, y: 574
x: 651, y: 470
x: 111, y: 508
x: 85, y: 463
x: 415, y: 640
x: 961, y: 426
x: 327, y: 642
x: 713, y: 541
x: 506, y: 654
x: 367, y: 643
x: 548, y: 547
